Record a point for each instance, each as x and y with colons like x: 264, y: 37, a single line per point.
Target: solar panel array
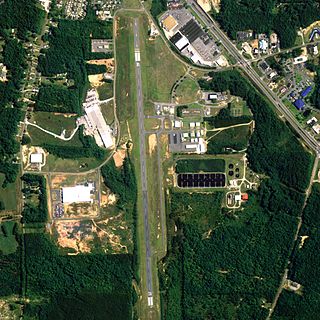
x: 201, y: 180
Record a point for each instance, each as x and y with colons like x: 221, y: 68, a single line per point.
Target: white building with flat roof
x: 76, y: 194
x: 36, y: 158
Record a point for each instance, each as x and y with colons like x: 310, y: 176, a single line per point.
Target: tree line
x: 265, y: 16
x: 34, y: 212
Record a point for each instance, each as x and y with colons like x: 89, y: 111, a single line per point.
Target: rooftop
x: 76, y: 194
x: 299, y: 104
x: 169, y: 23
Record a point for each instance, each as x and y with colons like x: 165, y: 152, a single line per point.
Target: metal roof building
x: 306, y: 91
x: 36, y: 158
x: 96, y: 120
x: 299, y: 104
x: 192, y: 31
x: 76, y: 194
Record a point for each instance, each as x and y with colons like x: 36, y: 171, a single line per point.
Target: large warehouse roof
x: 192, y: 30
x: 75, y: 194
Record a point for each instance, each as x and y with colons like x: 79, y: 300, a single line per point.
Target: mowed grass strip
x: 160, y: 68
x: 125, y: 72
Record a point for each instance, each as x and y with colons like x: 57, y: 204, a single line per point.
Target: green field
x: 108, y: 111
x: 187, y: 91
x: 125, y: 75
x: 8, y: 195
x: 160, y: 68
x: 55, y: 122
x: 57, y: 164
x: 198, y: 165
x: 8, y: 242
x: 153, y: 175
x: 239, y: 108
x: 131, y: 4
x: 234, y: 138
x: 105, y: 91
x: 38, y: 137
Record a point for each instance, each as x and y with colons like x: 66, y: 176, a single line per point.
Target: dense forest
x: 303, y: 268
x: 273, y: 148
x: 96, y: 68
x: 157, y: 7
x: 26, y: 18
x: 85, y: 286
x: 268, y: 15
x: 34, y: 211
x: 222, y: 265
x: 69, y: 48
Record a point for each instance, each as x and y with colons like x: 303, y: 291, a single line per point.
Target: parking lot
x: 201, y: 180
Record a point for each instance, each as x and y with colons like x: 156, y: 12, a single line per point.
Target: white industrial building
x: 95, y: 120
x: 36, y: 158
x: 79, y: 193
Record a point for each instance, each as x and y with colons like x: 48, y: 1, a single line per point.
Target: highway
x: 309, y: 140
x: 143, y: 160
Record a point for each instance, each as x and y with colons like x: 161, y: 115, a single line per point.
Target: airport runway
x: 143, y: 160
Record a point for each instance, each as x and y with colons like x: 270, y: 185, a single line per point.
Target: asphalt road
x: 143, y: 159
x: 252, y: 74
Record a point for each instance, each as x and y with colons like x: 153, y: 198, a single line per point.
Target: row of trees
x: 315, y: 97
x: 268, y: 15
x: 34, y: 212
